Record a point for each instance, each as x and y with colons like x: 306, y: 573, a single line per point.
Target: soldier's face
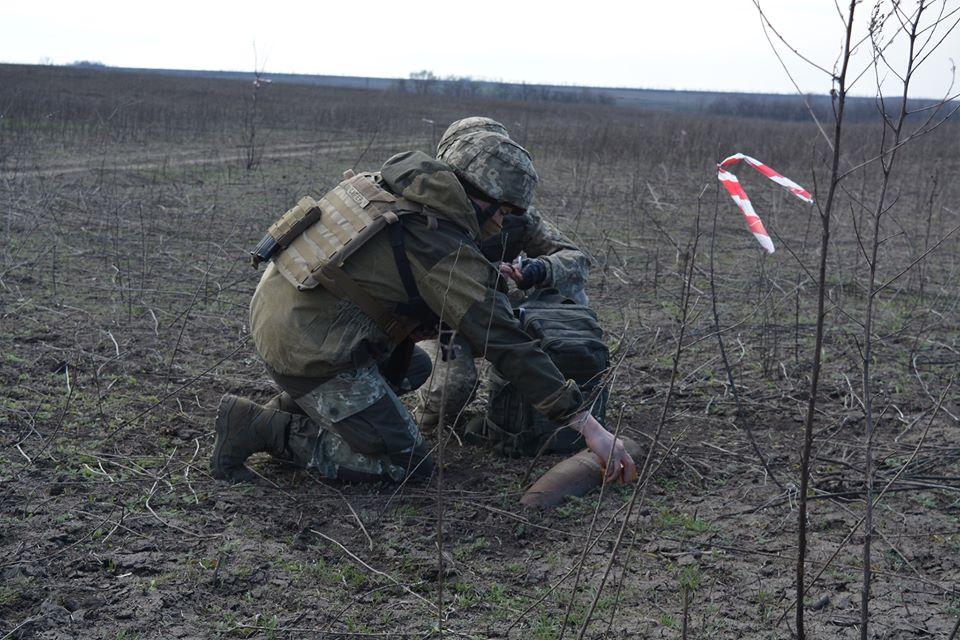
x: 508, y: 210
x: 493, y: 225
x: 504, y: 210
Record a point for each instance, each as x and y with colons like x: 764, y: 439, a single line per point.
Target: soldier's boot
x: 427, y: 419
x: 244, y: 428
x: 451, y: 386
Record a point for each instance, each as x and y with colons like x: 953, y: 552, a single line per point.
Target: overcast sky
x: 674, y: 44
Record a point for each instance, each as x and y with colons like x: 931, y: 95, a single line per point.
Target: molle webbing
x: 350, y: 214
x: 313, y: 254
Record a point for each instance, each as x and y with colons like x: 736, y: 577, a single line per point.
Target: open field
x: 126, y: 214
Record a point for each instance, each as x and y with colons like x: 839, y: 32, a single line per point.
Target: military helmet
x: 494, y: 165
x: 464, y: 126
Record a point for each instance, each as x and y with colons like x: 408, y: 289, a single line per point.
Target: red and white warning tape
x: 732, y: 185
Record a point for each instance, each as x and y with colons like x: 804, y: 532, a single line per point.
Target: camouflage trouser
x: 364, y: 431
x: 452, y: 382
x: 455, y: 380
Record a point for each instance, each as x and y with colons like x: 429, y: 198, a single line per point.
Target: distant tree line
x: 794, y: 108
x: 426, y: 82
x: 87, y: 64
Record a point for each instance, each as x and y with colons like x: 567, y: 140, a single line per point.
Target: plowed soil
x: 124, y: 284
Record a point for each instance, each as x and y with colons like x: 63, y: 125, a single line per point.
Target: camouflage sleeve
x: 567, y: 265
x: 461, y: 288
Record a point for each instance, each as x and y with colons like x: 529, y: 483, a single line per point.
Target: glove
x: 532, y: 273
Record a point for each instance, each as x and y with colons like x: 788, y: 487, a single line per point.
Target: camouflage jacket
x: 567, y: 265
x: 313, y: 334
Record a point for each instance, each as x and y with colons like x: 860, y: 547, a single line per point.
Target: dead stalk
x: 886, y: 164
x: 826, y: 212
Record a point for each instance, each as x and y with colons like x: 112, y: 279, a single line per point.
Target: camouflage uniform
x: 533, y: 237
x: 454, y: 379
x: 333, y: 359
x: 530, y: 234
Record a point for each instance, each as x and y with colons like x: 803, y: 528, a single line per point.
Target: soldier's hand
x: 601, y: 442
x: 507, y: 271
x: 532, y: 273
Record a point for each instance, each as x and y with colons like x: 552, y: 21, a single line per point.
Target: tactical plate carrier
x: 311, y: 242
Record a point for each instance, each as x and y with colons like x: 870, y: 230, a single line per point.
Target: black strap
x: 414, y: 306
x: 398, y: 363
x: 287, y: 451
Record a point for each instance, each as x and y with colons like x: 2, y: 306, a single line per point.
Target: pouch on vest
x: 346, y: 217
x: 571, y: 336
x: 310, y: 243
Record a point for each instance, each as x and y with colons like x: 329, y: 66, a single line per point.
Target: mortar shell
x: 575, y: 476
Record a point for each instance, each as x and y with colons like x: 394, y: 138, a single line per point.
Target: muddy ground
x: 124, y: 282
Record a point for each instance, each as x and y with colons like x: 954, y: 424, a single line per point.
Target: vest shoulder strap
x: 311, y: 242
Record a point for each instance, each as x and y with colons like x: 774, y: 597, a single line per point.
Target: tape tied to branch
x: 733, y: 187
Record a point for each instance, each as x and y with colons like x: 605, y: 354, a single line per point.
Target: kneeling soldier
x: 550, y: 260
x: 380, y: 261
